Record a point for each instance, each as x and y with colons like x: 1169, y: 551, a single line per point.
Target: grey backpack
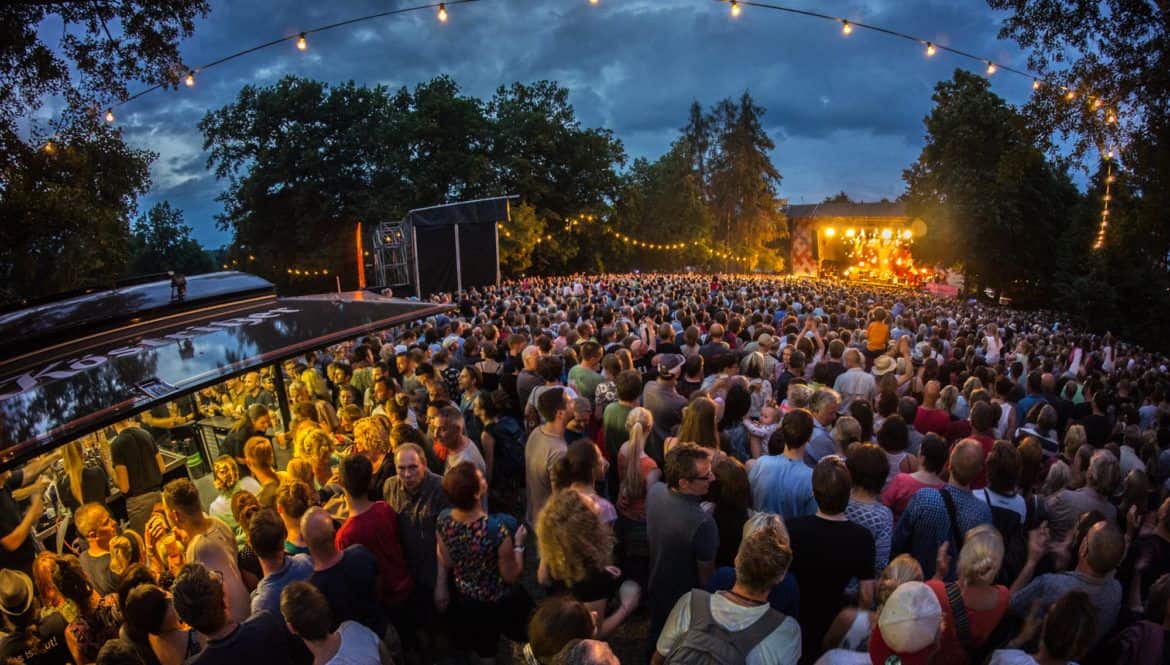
x: 708, y: 643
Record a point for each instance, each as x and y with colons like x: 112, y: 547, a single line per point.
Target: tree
x: 161, y: 241
x: 540, y: 152
x: 839, y: 197
x: 662, y: 202
x: 102, y: 47
x: 66, y: 212
x: 1115, y: 55
x: 744, y: 183
x: 519, y: 239
x: 304, y: 162
x: 68, y: 186
x: 991, y: 199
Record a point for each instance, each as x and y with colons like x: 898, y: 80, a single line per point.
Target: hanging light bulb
x: 1111, y: 118
x: 735, y: 9
x: 301, y: 43
x: 1035, y: 84
x: 1071, y: 95
x: 110, y: 115
x: 930, y: 50
x: 190, y: 80
x: 991, y: 68
x: 49, y: 147
x: 846, y: 28
x: 442, y: 12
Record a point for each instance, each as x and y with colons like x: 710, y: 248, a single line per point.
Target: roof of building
x: 876, y: 209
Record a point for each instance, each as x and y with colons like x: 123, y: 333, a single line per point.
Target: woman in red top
x: 933, y: 457
x: 973, y: 606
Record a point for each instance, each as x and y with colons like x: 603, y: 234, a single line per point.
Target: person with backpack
x: 1012, y: 513
x: 736, y: 627
x: 502, y: 440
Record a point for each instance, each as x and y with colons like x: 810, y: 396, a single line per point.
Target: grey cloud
x: 846, y: 113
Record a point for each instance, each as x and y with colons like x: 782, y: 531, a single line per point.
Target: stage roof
x: 882, y: 209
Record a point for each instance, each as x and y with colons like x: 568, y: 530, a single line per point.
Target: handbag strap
x: 959, y: 612
x: 954, y: 518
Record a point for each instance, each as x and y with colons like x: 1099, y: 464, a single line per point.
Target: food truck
x: 156, y: 351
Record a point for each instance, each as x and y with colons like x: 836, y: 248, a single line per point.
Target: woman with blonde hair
x: 974, y: 595
x: 851, y: 628
x: 1074, y: 438
x: 87, y: 484
x: 371, y: 439
x: 127, y: 549
x: 226, y: 475
x: 576, y: 549
x: 317, y: 451
x: 261, y: 461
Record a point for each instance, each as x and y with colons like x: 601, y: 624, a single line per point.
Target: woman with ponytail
x: 636, y: 473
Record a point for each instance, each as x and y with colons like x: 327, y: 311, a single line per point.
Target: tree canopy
x: 304, y: 161
x: 69, y: 185
x: 995, y: 204
x: 161, y: 241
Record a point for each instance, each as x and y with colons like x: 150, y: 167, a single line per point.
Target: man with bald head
x: 942, y: 516
x: 348, y: 578
x: 1100, y: 554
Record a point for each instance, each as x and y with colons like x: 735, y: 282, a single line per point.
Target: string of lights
x: 300, y: 39
x: 1095, y: 103
x: 931, y: 48
x: 1104, y: 225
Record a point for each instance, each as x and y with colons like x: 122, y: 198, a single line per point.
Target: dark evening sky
x: 845, y: 111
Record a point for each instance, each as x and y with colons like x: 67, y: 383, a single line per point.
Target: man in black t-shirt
x: 16, y: 529
x: 347, y: 578
x: 261, y: 638
x: 138, y: 469
x: 828, y: 551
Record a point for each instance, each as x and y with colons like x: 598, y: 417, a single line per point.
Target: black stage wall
x: 456, y: 245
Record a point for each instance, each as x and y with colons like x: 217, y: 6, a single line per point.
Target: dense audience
x: 768, y: 470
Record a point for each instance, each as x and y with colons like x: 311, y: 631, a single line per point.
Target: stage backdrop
x: 455, y: 245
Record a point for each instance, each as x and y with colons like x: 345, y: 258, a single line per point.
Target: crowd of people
x: 769, y: 470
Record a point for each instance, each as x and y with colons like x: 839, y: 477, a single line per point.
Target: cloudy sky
x: 845, y: 112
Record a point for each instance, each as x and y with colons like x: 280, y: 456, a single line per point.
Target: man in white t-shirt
x: 306, y: 612
x: 767, y: 636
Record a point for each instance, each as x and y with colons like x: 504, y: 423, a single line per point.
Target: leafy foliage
x: 992, y: 201
x: 160, y: 241
x: 66, y: 212
x: 305, y: 161
x: 103, y: 46
x: 1116, y: 55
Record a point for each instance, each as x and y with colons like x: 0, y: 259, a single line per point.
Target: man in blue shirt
x: 927, y: 522
x: 781, y: 482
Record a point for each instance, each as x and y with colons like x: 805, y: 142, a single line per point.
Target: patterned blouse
x: 473, y: 549
x: 92, y: 632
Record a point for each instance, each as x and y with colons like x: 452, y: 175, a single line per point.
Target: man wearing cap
x: 16, y: 531
x: 855, y: 383
x: 45, y: 644
x: 662, y: 399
